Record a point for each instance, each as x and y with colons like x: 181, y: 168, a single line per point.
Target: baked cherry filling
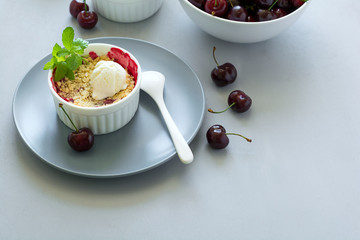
x: 116, y: 55
x: 124, y: 60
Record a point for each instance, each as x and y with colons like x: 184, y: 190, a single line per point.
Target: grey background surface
x: 298, y: 179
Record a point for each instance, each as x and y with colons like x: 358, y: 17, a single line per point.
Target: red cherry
x: 237, y: 101
x: 76, y: 7
x: 81, y: 140
x: 279, y: 12
x: 217, y: 137
x: 87, y: 19
x: 265, y: 15
x: 264, y: 3
x: 284, y: 3
x: 238, y: 13
x: 224, y: 74
x: 216, y: 7
x: 198, y: 3
x: 297, y: 3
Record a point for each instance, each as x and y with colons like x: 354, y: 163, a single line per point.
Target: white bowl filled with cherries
x: 244, y: 21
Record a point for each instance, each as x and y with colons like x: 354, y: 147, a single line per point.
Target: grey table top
x: 298, y: 179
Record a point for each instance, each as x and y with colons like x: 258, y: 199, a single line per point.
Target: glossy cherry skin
x: 265, y: 15
x: 216, y: 7
x: 238, y: 13
x: 216, y: 137
x: 76, y: 7
x: 279, y: 12
x: 284, y: 3
x: 297, y: 3
x: 87, y: 19
x: 224, y: 74
x: 242, y: 101
x: 264, y: 3
x: 82, y: 140
x: 198, y: 3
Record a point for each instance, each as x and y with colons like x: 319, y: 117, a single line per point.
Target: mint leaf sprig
x: 68, y: 58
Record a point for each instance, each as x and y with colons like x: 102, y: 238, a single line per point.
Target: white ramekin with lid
x: 126, y: 11
x: 104, y: 119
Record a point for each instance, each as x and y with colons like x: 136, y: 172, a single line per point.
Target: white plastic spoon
x: 152, y: 83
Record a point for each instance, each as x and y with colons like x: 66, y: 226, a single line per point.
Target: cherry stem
x: 273, y: 4
x: 61, y: 106
x: 214, y: 48
x: 232, y: 5
x: 247, y: 139
x: 212, y: 111
x: 85, y: 7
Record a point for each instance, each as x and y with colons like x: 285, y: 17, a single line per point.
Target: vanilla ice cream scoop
x: 107, y: 79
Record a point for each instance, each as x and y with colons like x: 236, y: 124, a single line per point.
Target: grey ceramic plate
x: 142, y: 144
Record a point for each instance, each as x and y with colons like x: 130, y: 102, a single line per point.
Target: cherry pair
x: 80, y: 10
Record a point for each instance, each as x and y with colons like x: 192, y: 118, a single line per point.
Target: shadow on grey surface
x: 105, y: 192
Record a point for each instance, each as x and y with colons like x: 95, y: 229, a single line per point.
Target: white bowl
x: 127, y: 10
x: 240, y: 32
x: 105, y: 119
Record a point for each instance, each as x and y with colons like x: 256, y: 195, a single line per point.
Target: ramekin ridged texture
x: 127, y: 10
x: 100, y: 120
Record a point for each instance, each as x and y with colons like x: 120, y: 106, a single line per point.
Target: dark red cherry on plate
x: 238, y: 13
x: 87, y: 19
x: 217, y: 137
x: 81, y: 140
x: 198, y: 3
x: 224, y: 74
x: 76, y: 7
x: 217, y: 8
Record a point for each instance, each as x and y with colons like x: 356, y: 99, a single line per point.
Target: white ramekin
x: 126, y: 10
x: 100, y: 120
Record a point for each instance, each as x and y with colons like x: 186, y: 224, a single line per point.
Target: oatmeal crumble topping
x: 79, y: 90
